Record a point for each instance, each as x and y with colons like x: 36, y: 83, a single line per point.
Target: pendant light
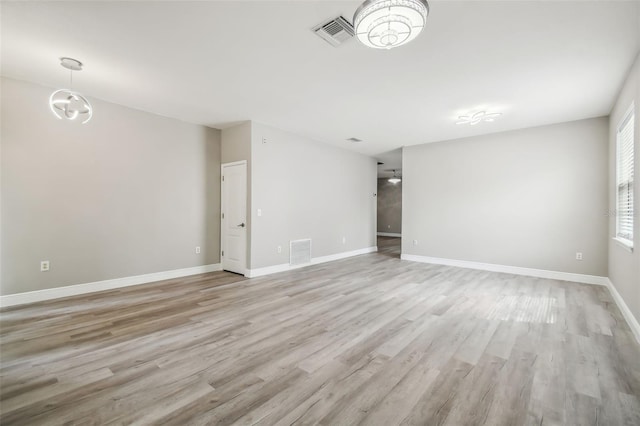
x: 385, y: 24
x: 395, y: 179
x: 67, y: 104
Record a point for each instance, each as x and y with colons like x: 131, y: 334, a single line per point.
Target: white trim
x: 74, y: 290
x: 343, y: 255
x: 517, y: 270
x: 268, y: 270
x: 389, y: 234
x: 626, y: 312
x: 624, y: 243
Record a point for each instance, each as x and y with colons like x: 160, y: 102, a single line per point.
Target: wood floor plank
x: 369, y: 340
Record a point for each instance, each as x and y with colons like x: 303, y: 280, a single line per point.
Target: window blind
x: 624, y: 179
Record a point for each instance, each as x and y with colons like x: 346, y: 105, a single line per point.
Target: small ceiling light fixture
x: 67, y: 104
x: 395, y: 179
x: 478, y: 117
x: 385, y: 24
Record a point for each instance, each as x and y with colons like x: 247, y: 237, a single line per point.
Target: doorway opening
x: 389, y: 212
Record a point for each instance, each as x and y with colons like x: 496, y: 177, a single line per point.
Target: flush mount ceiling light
x: 478, y: 117
x: 395, y: 179
x: 385, y: 24
x: 67, y: 104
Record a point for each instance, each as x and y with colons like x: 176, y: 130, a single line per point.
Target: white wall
x: 528, y: 198
x: 128, y: 193
x: 624, y: 266
x: 308, y: 189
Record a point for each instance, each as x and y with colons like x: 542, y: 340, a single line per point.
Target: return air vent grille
x: 335, y: 32
x: 300, y: 252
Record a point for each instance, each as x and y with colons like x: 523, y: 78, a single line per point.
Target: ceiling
x: 218, y: 63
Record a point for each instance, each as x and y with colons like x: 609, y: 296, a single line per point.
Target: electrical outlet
x: 197, y: 250
x: 388, y: 226
x: 279, y: 249
x: 44, y: 266
x: 264, y: 140
x: 344, y: 240
x: 259, y: 212
x: 415, y: 242
x: 578, y: 255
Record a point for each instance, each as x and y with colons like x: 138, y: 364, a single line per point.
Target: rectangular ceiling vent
x: 300, y: 252
x: 335, y: 32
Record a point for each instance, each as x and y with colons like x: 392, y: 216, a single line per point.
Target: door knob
x: 241, y: 225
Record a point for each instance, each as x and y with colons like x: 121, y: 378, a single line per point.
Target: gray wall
x: 389, y: 206
x: 236, y: 146
x: 529, y: 198
x: 128, y: 193
x: 624, y: 266
x: 308, y: 189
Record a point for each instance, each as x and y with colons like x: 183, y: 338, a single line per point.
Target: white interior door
x: 234, y: 217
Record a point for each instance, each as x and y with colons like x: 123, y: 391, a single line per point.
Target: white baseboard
x: 267, y: 270
x: 626, y: 312
x: 517, y: 270
x: 343, y: 255
x: 389, y: 234
x: 74, y: 290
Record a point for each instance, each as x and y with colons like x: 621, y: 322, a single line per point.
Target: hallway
x: 389, y: 246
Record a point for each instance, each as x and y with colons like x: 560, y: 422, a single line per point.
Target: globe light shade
x: 385, y: 24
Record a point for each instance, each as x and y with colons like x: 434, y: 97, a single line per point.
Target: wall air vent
x: 335, y: 32
x: 300, y: 252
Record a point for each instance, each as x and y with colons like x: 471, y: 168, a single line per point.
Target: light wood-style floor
x: 367, y: 340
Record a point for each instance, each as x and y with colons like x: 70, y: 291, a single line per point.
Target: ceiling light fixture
x: 478, y: 117
x: 385, y: 24
x: 395, y: 179
x: 67, y: 104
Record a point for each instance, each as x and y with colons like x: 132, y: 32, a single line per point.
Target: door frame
x: 222, y: 235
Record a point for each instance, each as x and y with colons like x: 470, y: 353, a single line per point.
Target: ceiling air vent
x: 335, y: 32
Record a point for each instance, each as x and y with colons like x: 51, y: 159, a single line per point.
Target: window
x: 624, y: 179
